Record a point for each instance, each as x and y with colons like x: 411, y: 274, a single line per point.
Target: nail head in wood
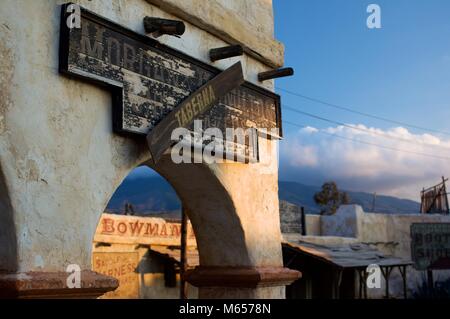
x: 225, y: 52
x: 277, y: 73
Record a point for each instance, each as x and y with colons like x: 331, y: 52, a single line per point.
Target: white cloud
x: 311, y: 157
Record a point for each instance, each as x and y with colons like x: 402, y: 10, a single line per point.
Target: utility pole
x: 373, y: 201
x: 302, y: 209
x: 183, y: 253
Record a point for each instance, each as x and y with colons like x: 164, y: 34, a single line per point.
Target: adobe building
x: 335, y: 251
x: 69, y: 95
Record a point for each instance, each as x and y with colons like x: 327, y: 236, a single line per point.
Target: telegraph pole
x: 373, y: 201
x: 183, y: 254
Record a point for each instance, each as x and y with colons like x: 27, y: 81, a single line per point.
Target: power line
x: 373, y: 144
x: 362, y: 129
x: 351, y: 110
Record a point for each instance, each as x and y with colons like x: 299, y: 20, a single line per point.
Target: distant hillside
x: 303, y: 195
x: 154, y: 194
x: 146, y: 194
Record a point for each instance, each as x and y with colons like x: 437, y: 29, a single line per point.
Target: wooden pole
x: 422, y: 198
x: 183, y: 255
x: 445, y: 194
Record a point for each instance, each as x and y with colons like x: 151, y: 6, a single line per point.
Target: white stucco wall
x: 61, y: 161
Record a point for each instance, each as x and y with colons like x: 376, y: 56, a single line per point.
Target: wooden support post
x: 422, y: 199
x: 386, y: 271
x: 183, y: 253
x: 336, y: 284
x: 444, y: 192
x: 225, y: 52
x: 430, y: 281
x: 277, y: 73
x: 402, y: 270
x: 360, y: 285
x: 365, y: 285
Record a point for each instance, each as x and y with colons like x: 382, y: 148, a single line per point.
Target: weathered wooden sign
x: 199, y: 102
x: 434, y: 199
x: 148, y: 79
x: 122, y: 266
x: 121, y: 229
x: 430, y: 245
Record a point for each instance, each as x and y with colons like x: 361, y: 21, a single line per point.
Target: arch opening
x: 145, y: 209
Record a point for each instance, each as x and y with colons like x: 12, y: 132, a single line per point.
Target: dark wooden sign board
x: 199, y: 102
x: 430, y: 245
x: 148, y: 79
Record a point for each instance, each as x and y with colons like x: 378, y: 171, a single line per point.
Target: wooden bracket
x: 225, y: 52
x: 277, y: 73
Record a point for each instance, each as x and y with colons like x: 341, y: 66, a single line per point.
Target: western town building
x: 75, y: 106
x: 143, y: 253
x: 333, y: 253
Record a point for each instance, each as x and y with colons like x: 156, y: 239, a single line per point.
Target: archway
x: 138, y: 240
x: 238, y: 249
x: 214, y: 220
x: 211, y: 211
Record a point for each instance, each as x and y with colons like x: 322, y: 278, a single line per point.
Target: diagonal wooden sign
x: 199, y: 102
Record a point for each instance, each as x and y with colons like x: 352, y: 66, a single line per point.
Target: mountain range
x: 151, y: 194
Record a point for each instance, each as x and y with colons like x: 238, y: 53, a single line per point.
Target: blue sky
x: 401, y: 72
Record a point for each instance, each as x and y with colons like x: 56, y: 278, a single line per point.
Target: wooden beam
x: 225, y: 52
x: 277, y: 73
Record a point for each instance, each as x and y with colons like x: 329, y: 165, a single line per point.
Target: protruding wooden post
x: 158, y: 26
x: 225, y: 52
x: 272, y: 74
x: 183, y: 254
